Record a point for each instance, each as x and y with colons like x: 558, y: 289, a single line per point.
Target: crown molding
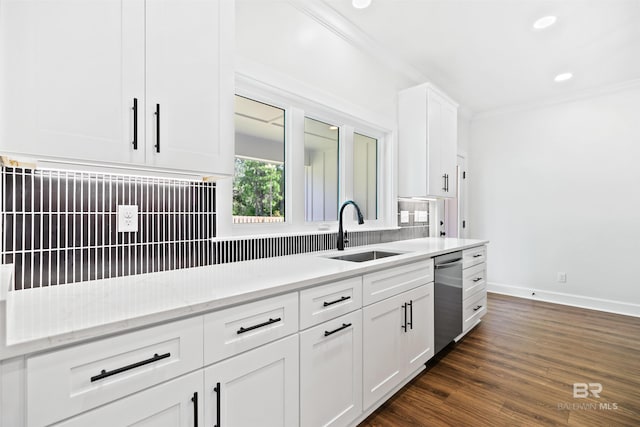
x: 331, y: 19
x: 577, y: 96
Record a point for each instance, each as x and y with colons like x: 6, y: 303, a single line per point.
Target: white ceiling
x: 487, y: 56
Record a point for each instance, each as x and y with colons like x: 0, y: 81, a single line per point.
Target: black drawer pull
x: 477, y: 279
x: 477, y: 255
x: 326, y: 304
x: 105, y: 373
x: 218, y: 391
x: 135, y: 124
x: 410, y: 304
x: 157, y: 113
x: 404, y: 325
x: 194, y: 399
x: 344, y: 326
x: 477, y: 308
x: 242, y: 330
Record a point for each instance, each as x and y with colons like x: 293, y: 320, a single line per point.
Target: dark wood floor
x: 518, y: 367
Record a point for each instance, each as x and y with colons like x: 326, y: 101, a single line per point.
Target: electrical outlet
x: 404, y: 217
x: 421, y: 216
x: 562, y: 277
x: 127, y: 218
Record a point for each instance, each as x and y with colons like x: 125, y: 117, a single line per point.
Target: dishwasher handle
x: 448, y: 264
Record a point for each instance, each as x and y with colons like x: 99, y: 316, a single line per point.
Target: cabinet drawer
x: 474, y: 280
x: 474, y: 256
x: 473, y: 310
x: 386, y: 283
x: 237, y: 329
x: 329, y: 301
x: 66, y: 382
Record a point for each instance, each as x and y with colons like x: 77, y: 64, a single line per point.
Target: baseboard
x: 599, y: 304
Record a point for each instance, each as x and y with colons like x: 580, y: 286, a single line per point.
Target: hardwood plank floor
x: 518, y: 367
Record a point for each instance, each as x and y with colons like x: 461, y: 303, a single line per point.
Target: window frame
x: 296, y: 108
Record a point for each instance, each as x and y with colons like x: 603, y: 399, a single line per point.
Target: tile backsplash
x: 60, y: 226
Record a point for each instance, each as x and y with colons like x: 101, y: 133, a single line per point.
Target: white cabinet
x: 427, y: 147
x: 256, y: 388
x: 177, y: 403
x: 474, y: 287
x: 331, y: 372
x: 66, y: 382
x: 397, y: 340
x: 81, y: 81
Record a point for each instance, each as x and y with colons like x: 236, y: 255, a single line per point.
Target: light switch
x: 127, y: 218
x: 404, y: 217
x: 421, y: 216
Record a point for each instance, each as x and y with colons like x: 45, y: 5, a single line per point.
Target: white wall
x: 557, y: 189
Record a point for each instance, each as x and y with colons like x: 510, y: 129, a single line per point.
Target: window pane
x: 365, y: 175
x: 258, y: 184
x: 321, y: 170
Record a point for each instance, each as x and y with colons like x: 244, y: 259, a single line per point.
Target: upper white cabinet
x: 427, y: 148
x: 128, y: 82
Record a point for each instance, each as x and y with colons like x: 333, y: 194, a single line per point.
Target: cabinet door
x: 70, y: 72
x: 436, y: 178
x: 381, y: 346
x: 418, y: 340
x: 172, y: 404
x: 187, y: 81
x: 331, y: 372
x: 449, y: 146
x: 256, y: 388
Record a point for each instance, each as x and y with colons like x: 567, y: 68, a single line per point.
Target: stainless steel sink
x: 365, y: 256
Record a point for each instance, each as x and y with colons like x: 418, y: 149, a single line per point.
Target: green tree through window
x: 257, y: 188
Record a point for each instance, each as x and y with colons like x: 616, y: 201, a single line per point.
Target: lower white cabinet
x: 177, y: 403
x: 256, y: 388
x: 397, y: 340
x: 331, y: 372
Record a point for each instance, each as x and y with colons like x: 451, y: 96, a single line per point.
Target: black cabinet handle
x: 444, y: 182
x: 477, y: 279
x: 410, y: 304
x: 404, y: 325
x: 157, y: 113
x: 477, y: 308
x: 135, y: 124
x: 477, y: 255
x: 326, y: 304
x: 242, y: 330
x: 218, y: 391
x: 105, y: 373
x: 194, y: 399
x: 344, y: 326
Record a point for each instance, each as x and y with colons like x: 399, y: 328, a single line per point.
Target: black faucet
x: 340, y: 232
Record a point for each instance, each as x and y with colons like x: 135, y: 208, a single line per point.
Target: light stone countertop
x: 42, y: 318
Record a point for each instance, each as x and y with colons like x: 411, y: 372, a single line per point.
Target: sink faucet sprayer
x: 340, y: 232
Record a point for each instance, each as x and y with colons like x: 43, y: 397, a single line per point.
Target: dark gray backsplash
x: 60, y: 227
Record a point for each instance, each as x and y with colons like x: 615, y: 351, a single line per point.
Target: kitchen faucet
x: 341, y: 234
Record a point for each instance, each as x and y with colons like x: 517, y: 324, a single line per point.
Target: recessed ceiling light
x: 563, y: 77
x: 544, y: 22
x: 361, y: 4
x: 333, y: 127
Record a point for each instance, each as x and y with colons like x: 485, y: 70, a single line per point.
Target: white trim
x: 577, y: 96
x: 573, y: 300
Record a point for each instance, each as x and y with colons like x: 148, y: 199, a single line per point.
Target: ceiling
x: 486, y: 54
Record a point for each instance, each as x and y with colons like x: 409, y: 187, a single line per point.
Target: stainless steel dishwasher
x: 447, y: 298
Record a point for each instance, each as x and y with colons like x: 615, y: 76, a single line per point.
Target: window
x: 321, y: 145
x: 365, y: 175
x: 258, y: 184
x: 293, y: 153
